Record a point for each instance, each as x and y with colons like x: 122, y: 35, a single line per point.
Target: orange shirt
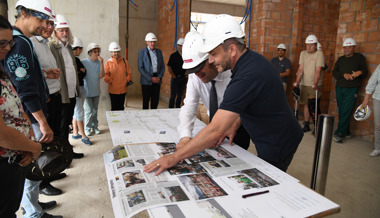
x: 116, y: 75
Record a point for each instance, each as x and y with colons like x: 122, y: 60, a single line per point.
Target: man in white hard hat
x: 23, y: 68
x: 178, y: 80
x: 349, y: 71
x: 282, y: 64
x: 309, y: 74
x: 49, y: 65
x: 203, y: 78
x: 152, y: 68
x: 60, y: 45
x: 255, y: 96
x: 118, y: 74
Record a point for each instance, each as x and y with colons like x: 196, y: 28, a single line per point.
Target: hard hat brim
x: 197, y: 68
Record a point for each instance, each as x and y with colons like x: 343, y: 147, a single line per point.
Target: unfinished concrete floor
x: 353, y: 176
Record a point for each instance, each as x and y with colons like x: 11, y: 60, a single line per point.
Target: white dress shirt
x: 197, y: 90
x: 47, y: 61
x: 71, y: 73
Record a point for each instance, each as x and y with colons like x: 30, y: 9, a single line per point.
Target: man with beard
x: 60, y: 46
x: 254, y: 98
x: 203, y: 78
x: 23, y: 68
x: 282, y: 64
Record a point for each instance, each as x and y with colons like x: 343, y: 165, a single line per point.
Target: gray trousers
x: 376, y: 113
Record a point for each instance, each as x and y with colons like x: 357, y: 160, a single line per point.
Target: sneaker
x: 96, y: 130
x: 76, y: 136
x: 337, y: 139
x: 375, y: 153
x: 88, y: 133
x: 348, y: 136
x: 86, y: 141
x: 313, y: 133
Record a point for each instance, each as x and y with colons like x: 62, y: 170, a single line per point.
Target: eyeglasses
x: 97, y: 52
x: 4, y: 43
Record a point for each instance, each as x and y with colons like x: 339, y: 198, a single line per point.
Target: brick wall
x: 360, y: 20
x: 290, y: 22
x: 166, y: 33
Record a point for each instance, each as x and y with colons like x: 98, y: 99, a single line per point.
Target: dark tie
x: 213, y: 100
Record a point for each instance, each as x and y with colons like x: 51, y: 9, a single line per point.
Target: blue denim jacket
x: 145, y: 66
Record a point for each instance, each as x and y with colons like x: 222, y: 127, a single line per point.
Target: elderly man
x: 349, y: 71
x: 254, y: 97
x: 178, y: 81
x: 60, y: 46
x: 152, y: 68
x: 309, y: 70
x: 206, y: 84
x: 282, y: 64
x: 23, y: 68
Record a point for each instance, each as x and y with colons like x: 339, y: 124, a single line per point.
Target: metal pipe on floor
x: 322, y: 153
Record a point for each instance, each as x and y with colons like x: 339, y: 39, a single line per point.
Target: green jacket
x: 56, y: 50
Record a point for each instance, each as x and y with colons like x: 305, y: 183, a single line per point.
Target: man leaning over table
x: 254, y: 97
x: 199, y: 87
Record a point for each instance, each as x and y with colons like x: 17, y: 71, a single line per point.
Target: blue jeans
x: 91, y: 113
x: 32, y: 188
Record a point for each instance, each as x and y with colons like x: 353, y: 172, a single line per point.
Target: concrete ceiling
x: 230, y: 2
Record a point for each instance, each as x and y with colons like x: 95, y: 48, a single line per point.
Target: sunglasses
x: 4, y: 43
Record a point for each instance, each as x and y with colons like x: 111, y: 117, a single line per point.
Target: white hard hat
x: 52, y: 18
x: 180, y: 41
x: 77, y: 43
x: 42, y: 6
x: 218, y: 29
x: 150, y: 37
x: 349, y: 42
x: 319, y: 46
x: 362, y: 113
x: 91, y: 46
x: 61, y: 22
x: 191, y: 54
x: 282, y: 46
x: 114, y: 47
x: 311, y: 39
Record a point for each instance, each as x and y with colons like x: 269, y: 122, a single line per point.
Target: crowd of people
x: 45, y: 88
